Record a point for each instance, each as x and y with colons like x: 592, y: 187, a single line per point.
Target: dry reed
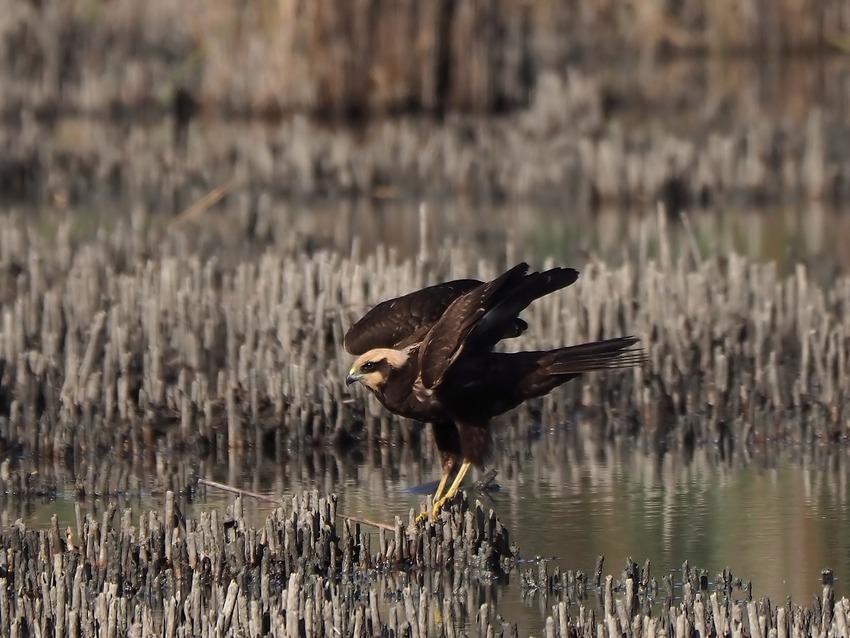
x: 306, y: 573
x: 108, y: 349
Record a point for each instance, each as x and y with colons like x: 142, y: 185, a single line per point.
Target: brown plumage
x: 429, y: 356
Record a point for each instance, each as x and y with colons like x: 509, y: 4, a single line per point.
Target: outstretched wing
x: 483, y: 316
x: 402, y: 321
x: 445, y: 340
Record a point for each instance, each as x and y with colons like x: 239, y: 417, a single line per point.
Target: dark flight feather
x: 488, y: 330
x: 446, y: 339
x: 479, y: 319
x: 589, y: 357
x: 403, y: 321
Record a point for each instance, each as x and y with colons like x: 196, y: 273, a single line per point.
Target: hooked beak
x: 351, y: 378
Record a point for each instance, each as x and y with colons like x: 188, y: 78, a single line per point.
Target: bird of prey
x: 429, y: 356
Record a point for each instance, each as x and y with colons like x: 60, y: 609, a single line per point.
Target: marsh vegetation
x: 195, y: 204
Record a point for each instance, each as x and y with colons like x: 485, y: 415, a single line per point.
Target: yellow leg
x: 461, y: 473
x: 443, y: 480
x: 423, y: 516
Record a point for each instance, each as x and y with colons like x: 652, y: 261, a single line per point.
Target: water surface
x: 775, y: 518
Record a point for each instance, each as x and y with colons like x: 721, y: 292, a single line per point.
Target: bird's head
x: 373, y: 368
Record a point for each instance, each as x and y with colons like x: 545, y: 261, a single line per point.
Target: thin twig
x: 367, y: 521
x: 235, y: 490
x: 270, y: 499
x: 203, y: 204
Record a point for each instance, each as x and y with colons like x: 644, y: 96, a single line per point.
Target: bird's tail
x: 542, y: 372
x: 609, y: 354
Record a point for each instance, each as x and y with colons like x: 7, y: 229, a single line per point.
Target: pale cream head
x: 371, y: 368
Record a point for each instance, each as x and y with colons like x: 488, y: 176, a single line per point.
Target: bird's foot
x: 438, y: 506
x: 435, y: 512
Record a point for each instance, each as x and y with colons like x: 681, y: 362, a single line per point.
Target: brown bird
x: 429, y: 356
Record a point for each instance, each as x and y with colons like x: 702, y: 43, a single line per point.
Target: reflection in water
x: 775, y: 517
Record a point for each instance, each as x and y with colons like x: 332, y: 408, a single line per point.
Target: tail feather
x: 609, y: 354
x: 548, y: 370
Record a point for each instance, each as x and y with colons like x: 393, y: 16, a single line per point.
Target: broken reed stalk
x: 304, y: 573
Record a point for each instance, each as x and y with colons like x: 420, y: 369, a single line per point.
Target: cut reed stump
x: 307, y: 572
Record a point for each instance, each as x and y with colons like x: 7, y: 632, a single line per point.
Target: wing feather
x: 479, y: 319
x: 444, y: 342
x: 402, y: 321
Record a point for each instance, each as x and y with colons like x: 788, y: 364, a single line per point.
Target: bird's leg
x: 461, y: 473
x: 443, y: 480
x: 447, y: 465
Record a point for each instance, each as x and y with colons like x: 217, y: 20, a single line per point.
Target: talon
x: 453, y: 490
x: 440, y: 504
x: 422, y: 517
x: 437, y: 507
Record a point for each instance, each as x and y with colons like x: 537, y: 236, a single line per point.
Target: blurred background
x: 556, y: 121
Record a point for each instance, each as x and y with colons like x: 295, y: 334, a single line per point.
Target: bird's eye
x: 368, y: 366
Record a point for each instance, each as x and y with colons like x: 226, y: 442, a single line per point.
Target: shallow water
x: 776, y: 519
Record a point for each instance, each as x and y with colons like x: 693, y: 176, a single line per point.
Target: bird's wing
x: 403, y: 321
x: 481, y: 318
x: 445, y: 342
x: 510, y: 300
